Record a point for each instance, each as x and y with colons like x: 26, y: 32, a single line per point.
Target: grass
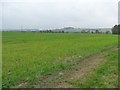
x: 0, y: 60
x: 28, y: 56
x: 106, y: 76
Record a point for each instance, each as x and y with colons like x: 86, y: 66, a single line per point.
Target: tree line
x: 116, y: 29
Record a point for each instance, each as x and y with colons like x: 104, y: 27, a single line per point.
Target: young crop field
x: 32, y: 59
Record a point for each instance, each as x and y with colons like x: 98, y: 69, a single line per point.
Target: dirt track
x: 85, y: 67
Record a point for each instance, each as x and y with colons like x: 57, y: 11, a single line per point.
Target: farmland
x: 30, y: 57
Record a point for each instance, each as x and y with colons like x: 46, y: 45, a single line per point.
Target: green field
x: 29, y: 56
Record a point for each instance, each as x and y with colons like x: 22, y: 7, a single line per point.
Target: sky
x: 51, y: 14
x: 119, y: 12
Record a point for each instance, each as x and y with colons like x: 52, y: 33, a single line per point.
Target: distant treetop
x: 116, y: 29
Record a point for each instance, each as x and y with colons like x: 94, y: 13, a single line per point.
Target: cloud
x: 119, y: 12
x: 46, y: 14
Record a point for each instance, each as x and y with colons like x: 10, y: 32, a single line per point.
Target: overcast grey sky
x: 119, y: 13
x: 50, y: 14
